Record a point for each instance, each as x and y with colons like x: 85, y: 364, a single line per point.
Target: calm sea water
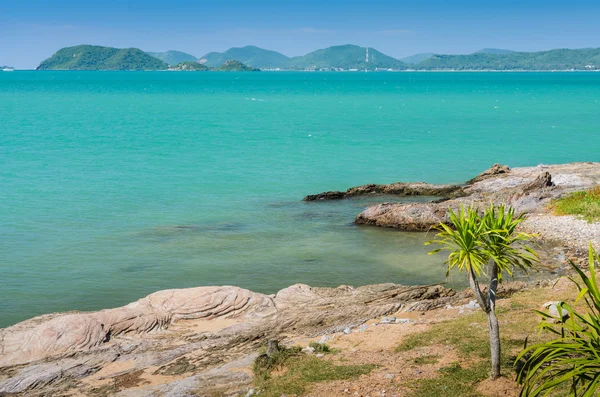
x: 117, y: 184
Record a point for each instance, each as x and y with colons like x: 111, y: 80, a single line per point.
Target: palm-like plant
x: 574, y: 357
x: 479, y: 243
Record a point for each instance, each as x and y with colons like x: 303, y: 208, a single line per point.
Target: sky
x: 32, y: 30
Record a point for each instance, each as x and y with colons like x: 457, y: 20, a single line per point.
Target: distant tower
x: 367, y: 54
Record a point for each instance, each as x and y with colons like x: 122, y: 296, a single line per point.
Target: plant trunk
x: 493, y: 322
x: 477, y: 291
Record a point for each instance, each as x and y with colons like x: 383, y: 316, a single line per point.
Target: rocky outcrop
x: 398, y: 189
x: 529, y: 190
x: 494, y: 170
x: 414, y: 217
x: 190, y: 337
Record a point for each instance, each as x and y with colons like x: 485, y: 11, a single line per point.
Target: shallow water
x: 117, y: 184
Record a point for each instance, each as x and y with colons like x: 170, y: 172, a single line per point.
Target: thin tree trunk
x: 493, y: 322
x: 477, y: 291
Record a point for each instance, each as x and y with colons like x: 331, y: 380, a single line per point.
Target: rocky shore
x: 528, y: 189
x: 202, y: 341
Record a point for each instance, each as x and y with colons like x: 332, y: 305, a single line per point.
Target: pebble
x: 347, y: 330
x: 324, y: 339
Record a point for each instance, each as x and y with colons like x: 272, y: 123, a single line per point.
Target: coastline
x: 214, y: 329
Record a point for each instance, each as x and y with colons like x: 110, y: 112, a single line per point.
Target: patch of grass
x: 290, y: 372
x: 453, y: 380
x: 322, y: 348
x: 431, y: 359
x: 585, y: 204
x: 468, y: 334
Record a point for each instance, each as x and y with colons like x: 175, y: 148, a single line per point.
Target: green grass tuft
x: 322, y: 348
x: 298, y: 371
x: 583, y: 204
x: 453, y: 380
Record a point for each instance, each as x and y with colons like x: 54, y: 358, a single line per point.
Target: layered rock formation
x: 529, y: 190
x: 181, y: 341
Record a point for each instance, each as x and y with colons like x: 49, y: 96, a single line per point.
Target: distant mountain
x: 89, y: 57
x: 496, y: 51
x: 249, y: 55
x: 417, y: 58
x: 347, y: 57
x: 561, y: 59
x: 191, y: 66
x: 234, y: 66
x: 172, y: 57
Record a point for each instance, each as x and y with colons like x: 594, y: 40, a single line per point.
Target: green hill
x: 191, y: 66
x: 493, y: 51
x: 234, y: 66
x: 173, y: 57
x: 88, y: 57
x: 561, y: 59
x: 347, y: 57
x: 417, y: 58
x: 249, y: 55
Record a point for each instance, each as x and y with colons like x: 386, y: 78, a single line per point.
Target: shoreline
x: 199, y: 334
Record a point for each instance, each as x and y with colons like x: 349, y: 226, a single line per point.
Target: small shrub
x: 571, y: 360
x: 321, y: 348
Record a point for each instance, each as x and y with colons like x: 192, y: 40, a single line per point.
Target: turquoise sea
x: 116, y: 184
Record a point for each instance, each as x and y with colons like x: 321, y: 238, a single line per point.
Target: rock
x: 320, y: 355
x: 409, y: 217
x: 324, y: 339
x: 493, y: 171
x: 308, y: 349
x: 195, y: 332
x: 347, y: 330
x: 398, y: 189
x: 402, y: 321
x: 363, y: 328
x: 528, y: 190
x: 555, y: 310
x: 388, y: 320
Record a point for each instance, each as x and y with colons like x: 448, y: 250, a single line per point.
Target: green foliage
x: 234, y: 66
x: 417, y: 58
x: 453, y: 380
x: 347, y: 57
x: 574, y: 356
x: 321, y: 347
x: 463, y: 240
x: 190, y: 66
x: 560, y: 59
x: 584, y: 204
x: 298, y: 370
x: 249, y: 55
x: 88, y: 57
x: 173, y: 57
x: 474, y: 240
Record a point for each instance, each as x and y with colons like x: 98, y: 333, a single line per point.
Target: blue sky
x: 33, y: 30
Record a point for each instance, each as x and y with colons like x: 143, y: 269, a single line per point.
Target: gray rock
x: 388, y: 320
